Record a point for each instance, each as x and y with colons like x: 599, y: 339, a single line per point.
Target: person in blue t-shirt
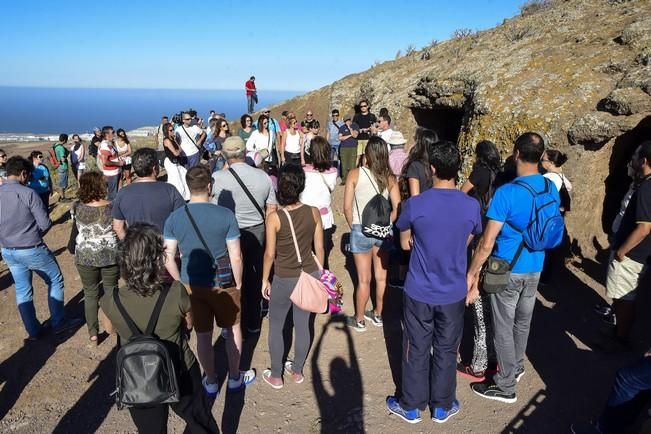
x: 437, y: 227
x: 40, y: 181
x: 508, y: 214
x: 214, y: 292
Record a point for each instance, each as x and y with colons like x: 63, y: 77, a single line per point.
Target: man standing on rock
x: 23, y: 222
x: 251, y: 94
x: 508, y: 217
x: 246, y: 191
x: 366, y: 122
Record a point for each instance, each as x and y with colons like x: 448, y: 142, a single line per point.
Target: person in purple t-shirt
x: 437, y: 227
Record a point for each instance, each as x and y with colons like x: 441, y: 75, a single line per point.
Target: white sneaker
x: 246, y: 378
x: 212, y: 389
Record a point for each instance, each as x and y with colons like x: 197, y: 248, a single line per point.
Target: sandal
x: 266, y: 376
x: 289, y: 370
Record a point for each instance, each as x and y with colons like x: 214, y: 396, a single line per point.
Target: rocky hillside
x: 576, y: 71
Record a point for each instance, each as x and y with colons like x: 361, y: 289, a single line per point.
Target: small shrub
x: 410, y: 50
x: 434, y: 43
x: 462, y: 33
x: 517, y: 33
x: 532, y: 6
x: 398, y: 54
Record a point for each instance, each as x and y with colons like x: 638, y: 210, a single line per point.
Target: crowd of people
x: 243, y: 215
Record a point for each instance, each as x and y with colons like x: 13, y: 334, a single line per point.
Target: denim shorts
x: 360, y: 243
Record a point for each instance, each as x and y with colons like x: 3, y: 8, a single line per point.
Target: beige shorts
x: 361, y: 146
x: 623, y: 278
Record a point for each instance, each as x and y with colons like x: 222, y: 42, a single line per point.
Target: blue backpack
x: 546, y: 225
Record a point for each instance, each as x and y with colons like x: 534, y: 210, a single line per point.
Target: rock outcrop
x: 578, y: 72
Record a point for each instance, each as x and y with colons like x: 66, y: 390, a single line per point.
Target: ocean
x: 33, y: 110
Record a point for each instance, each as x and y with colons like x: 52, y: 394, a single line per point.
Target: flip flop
x: 266, y: 374
x: 290, y: 371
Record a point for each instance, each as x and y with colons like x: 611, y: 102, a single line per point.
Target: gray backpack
x: 146, y: 375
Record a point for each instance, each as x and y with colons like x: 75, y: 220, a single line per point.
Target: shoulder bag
x: 221, y: 266
x: 199, y: 148
x: 246, y: 191
x: 309, y: 294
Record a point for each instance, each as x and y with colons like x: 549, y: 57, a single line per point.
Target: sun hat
x: 233, y: 144
x: 396, y: 138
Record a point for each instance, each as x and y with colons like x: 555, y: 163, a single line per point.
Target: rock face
x: 577, y: 72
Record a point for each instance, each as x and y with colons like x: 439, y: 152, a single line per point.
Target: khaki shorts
x: 361, y: 146
x: 210, y: 305
x: 623, y: 278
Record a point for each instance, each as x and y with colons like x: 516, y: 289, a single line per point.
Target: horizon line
x: 140, y: 88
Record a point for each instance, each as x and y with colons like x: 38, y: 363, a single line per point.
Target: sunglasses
x: 363, y: 106
x: 224, y: 126
x: 40, y: 157
x: 265, y: 123
x: 187, y: 119
x: 3, y: 156
x: 309, y: 114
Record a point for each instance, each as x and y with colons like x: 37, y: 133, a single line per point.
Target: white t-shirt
x: 557, y: 179
x: 385, y: 136
x: 258, y: 141
x: 109, y: 150
x: 318, y: 186
x: 187, y: 146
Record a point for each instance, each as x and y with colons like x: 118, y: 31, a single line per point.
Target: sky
x: 219, y: 44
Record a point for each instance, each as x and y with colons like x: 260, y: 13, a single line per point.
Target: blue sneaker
x: 441, y: 415
x: 409, y: 416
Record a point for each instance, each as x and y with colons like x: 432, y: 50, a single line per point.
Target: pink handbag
x: 309, y: 294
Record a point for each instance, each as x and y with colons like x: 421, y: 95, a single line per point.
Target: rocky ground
x: 63, y: 384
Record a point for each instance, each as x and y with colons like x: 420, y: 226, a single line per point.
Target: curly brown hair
x: 141, y: 258
x: 92, y: 187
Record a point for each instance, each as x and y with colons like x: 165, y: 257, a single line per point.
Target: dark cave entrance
x: 617, y: 181
x: 445, y: 121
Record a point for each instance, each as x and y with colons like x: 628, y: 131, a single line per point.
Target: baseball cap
x: 233, y: 144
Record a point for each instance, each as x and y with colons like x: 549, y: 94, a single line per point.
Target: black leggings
x: 193, y: 408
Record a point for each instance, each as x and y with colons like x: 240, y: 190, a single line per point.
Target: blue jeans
x: 249, y: 103
x: 63, y: 177
x: 360, y: 243
x: 512, y: 312
x: 112, y: 186
x: 623, y: 405
x: 22, y: 262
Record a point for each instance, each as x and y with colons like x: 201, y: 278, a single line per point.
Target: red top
x: 250, y: 87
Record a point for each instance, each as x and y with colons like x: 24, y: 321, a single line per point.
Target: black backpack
x: 376, y: 216
x: 145, y: 374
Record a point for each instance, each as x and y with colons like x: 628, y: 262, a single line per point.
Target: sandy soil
x: 63, y: 384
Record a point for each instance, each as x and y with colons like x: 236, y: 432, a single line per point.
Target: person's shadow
x: 342, y: 410
x: 17, y: 371
x: 94, y: 405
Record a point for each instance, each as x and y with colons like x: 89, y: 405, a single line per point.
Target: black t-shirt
x: 364, y: 121
x: 419, y: 171
x: 480, y: 178
x: 147, y: 202
x: 638, y: 211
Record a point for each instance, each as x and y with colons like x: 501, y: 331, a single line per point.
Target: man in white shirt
x: 190, y: 137
x: 385, y: 128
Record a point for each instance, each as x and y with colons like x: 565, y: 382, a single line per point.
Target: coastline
x: 8, y: 138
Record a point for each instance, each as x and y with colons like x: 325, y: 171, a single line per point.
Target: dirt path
x: 64, y: 385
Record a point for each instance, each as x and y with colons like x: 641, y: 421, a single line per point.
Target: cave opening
x: 617, y: 182
x: 446, y: 121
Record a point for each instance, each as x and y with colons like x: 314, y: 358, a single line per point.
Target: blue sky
x: 219, y: 44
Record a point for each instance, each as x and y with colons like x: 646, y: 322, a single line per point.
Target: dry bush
x: 398, y: 54
x: 532, y: 6
x: 434, y: 43
x: 463, y: 33
x: 517, y: 32
x: 410, y: 50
